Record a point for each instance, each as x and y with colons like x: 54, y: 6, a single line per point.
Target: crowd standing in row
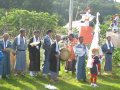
x: 76, y: 62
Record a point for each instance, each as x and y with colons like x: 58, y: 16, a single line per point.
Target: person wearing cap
x: 20, y: 46
x: 46, y: 46
x: 34, y: 54
x: 5, y: 62
x: 108, y: 49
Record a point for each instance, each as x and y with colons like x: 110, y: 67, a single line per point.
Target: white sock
x: 31, y: 73
x: 0, y: 76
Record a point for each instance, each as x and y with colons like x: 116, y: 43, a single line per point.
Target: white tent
x: 75, y: 24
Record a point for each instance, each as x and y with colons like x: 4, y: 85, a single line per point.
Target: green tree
x: 17, y: 19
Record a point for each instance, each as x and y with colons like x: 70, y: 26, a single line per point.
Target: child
x: 95, y: 69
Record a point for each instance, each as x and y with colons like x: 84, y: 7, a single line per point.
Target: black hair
x: 49, y: 31
x: 108, y: 37
x: 22, y: 30
x: 81, y: 37
x: 36, y: 31
x: 72, y: 35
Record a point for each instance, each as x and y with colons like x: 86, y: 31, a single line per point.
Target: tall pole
x: 70, y: 16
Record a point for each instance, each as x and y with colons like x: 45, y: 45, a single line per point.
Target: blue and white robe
x: 80, y: 51
x: 108, y: 49
x: 20, y: 46
x: 5, y: 62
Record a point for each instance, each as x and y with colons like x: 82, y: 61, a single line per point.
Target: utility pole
x: 70, y: 16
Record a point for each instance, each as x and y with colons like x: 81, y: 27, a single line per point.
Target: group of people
x: 18, y: 48
x: 78, y: 56
x: 51, y: 66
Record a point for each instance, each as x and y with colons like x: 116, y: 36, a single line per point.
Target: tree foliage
x: 17, y: 19
x: 61, y: 7
x: 116, y: 57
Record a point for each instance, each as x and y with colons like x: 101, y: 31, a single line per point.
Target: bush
x: 33, y: 20
x: 116, y: 56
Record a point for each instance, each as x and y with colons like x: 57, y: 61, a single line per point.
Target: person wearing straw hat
x: 108, y: 49
x: 5, y: 62
x: 20, y: 46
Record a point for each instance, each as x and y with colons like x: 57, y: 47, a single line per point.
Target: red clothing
x: 70, y: 48
x: 87, y: 33
x: 94, y: 70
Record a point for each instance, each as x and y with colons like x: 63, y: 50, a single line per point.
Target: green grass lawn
x: 66, y: 82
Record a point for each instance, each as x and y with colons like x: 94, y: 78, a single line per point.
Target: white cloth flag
x: 19, y: 39
x: 36, y: 40
x: 111, y: 44
x: 5, y: 43
x: 95, y: 41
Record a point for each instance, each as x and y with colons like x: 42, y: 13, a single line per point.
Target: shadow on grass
x: 61, y: 84
x: 5, y: 88
x: 37, y: 83
x: 23, y: 83
x: 100, y: 87
x: 110, y: 78
x: 65, y: 83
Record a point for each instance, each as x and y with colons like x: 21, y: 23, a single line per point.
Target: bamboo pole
x: 70, y: 16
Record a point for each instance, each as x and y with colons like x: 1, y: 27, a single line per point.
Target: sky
x: 118, y: 0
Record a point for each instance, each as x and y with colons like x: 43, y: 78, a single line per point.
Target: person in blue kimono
x: 20, y: 46
x: 108, y: 49
x: 46, y: 46
x: 5, y: 62
x: 80, y: 52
